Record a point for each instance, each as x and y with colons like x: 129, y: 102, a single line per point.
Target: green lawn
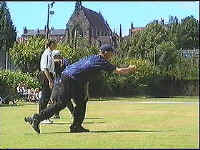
x: 113, y: 122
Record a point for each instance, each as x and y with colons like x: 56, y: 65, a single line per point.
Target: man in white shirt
x: 46, y: 75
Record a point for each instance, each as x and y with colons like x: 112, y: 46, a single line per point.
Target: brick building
x: 84, y: 22
x: 57, y: 34
x: 88, y: 23
x: 133, y: 29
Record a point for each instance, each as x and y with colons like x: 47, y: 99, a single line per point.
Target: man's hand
x: 49, y: 78
x: 51, y: 84
x: 127, y: 70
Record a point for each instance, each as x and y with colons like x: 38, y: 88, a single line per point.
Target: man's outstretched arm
x: 123, y: 71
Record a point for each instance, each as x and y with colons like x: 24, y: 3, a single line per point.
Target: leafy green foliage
x: 26, y: 55
x: 7, y: 29
x: 144, y: 43
x: 153, y: 50
x: 82, y: 49
x: 185, y: 69
x: 184, y: 33
x: 145, y: 70
x: 12, y: 79
x: 189, y: 33
x: 166, y: 55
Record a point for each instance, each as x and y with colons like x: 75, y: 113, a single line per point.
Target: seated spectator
x: 1, y: 100
x: 31, y: 95
x: 38, y: 93
x: 25, y: 91
x: 20, y: 89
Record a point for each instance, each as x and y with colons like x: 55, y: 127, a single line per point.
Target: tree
x: 144, y: 43
x: 184, y: 34
x: 173, y: 20
x: 7, y: 29
x: 83, y: 48
x: 26, y: 55
x: 189, y: 33
x: 167, y: 58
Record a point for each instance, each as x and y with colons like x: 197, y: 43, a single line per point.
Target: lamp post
x: 49, y: 13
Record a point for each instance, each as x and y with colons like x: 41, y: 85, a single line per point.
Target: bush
x: 131, y: 84
x: 26, y: 55
x: 10, y: 80
x: 75, y: 54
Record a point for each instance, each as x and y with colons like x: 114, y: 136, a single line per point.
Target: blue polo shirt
x: 88, y: 68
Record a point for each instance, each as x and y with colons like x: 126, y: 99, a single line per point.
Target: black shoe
x: 78, y: 129
x: 33, y: 122
x: 29, y: 120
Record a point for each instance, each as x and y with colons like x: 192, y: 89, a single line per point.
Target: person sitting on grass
x: 20, y: 89
x: 37, y: 94
x: 74, y: 81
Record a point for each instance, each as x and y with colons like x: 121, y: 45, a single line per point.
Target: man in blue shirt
x: 74, y: 81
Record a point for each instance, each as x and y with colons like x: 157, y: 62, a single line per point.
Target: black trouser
x: 57, y: 89
x: 46, y: 91
x: 69, y: 89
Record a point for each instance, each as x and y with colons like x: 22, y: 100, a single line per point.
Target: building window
x: 85, y: 34
x: 94, y: 33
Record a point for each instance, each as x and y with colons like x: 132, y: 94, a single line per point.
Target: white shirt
x: 46, y: 61
x: 40, y: 94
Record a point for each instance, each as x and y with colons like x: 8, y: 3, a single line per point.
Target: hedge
x: 9, y: 81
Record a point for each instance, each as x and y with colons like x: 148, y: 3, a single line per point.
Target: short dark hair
x: 50, y: 42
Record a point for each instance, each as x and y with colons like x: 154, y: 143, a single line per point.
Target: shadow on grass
x: 133, y: 98
x: 113, y: 131
x: 126, y: 131
x: 10, y: 105
x: 101, y: 99
x: 94, y: 118
x: 61, y: 123
x: 18, y: 103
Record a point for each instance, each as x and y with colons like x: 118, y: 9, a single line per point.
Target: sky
x: 33, y: 14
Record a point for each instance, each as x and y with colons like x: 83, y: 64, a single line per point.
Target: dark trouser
x: 46, y: 91
x: 55, y: 94
x: 69, y: 89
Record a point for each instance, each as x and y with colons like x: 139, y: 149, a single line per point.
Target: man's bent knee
x: 61, y: 104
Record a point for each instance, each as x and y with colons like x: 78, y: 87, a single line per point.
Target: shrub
x: 131, y: 83
x: 74, y: 54
x: 12, y: 79
x: 26, y: 55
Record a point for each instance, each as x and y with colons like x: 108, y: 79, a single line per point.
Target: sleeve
x: 106, y: 66
x: 109, y: 67
x: 66, y: 62
x: 48, y: 60
x: 44, y: 61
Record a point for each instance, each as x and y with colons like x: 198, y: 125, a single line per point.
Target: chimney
x: 25, y: 30
x: 38, y: 31
x: 132, y: 25
x: 120, y: 31
x: 45, y: 28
